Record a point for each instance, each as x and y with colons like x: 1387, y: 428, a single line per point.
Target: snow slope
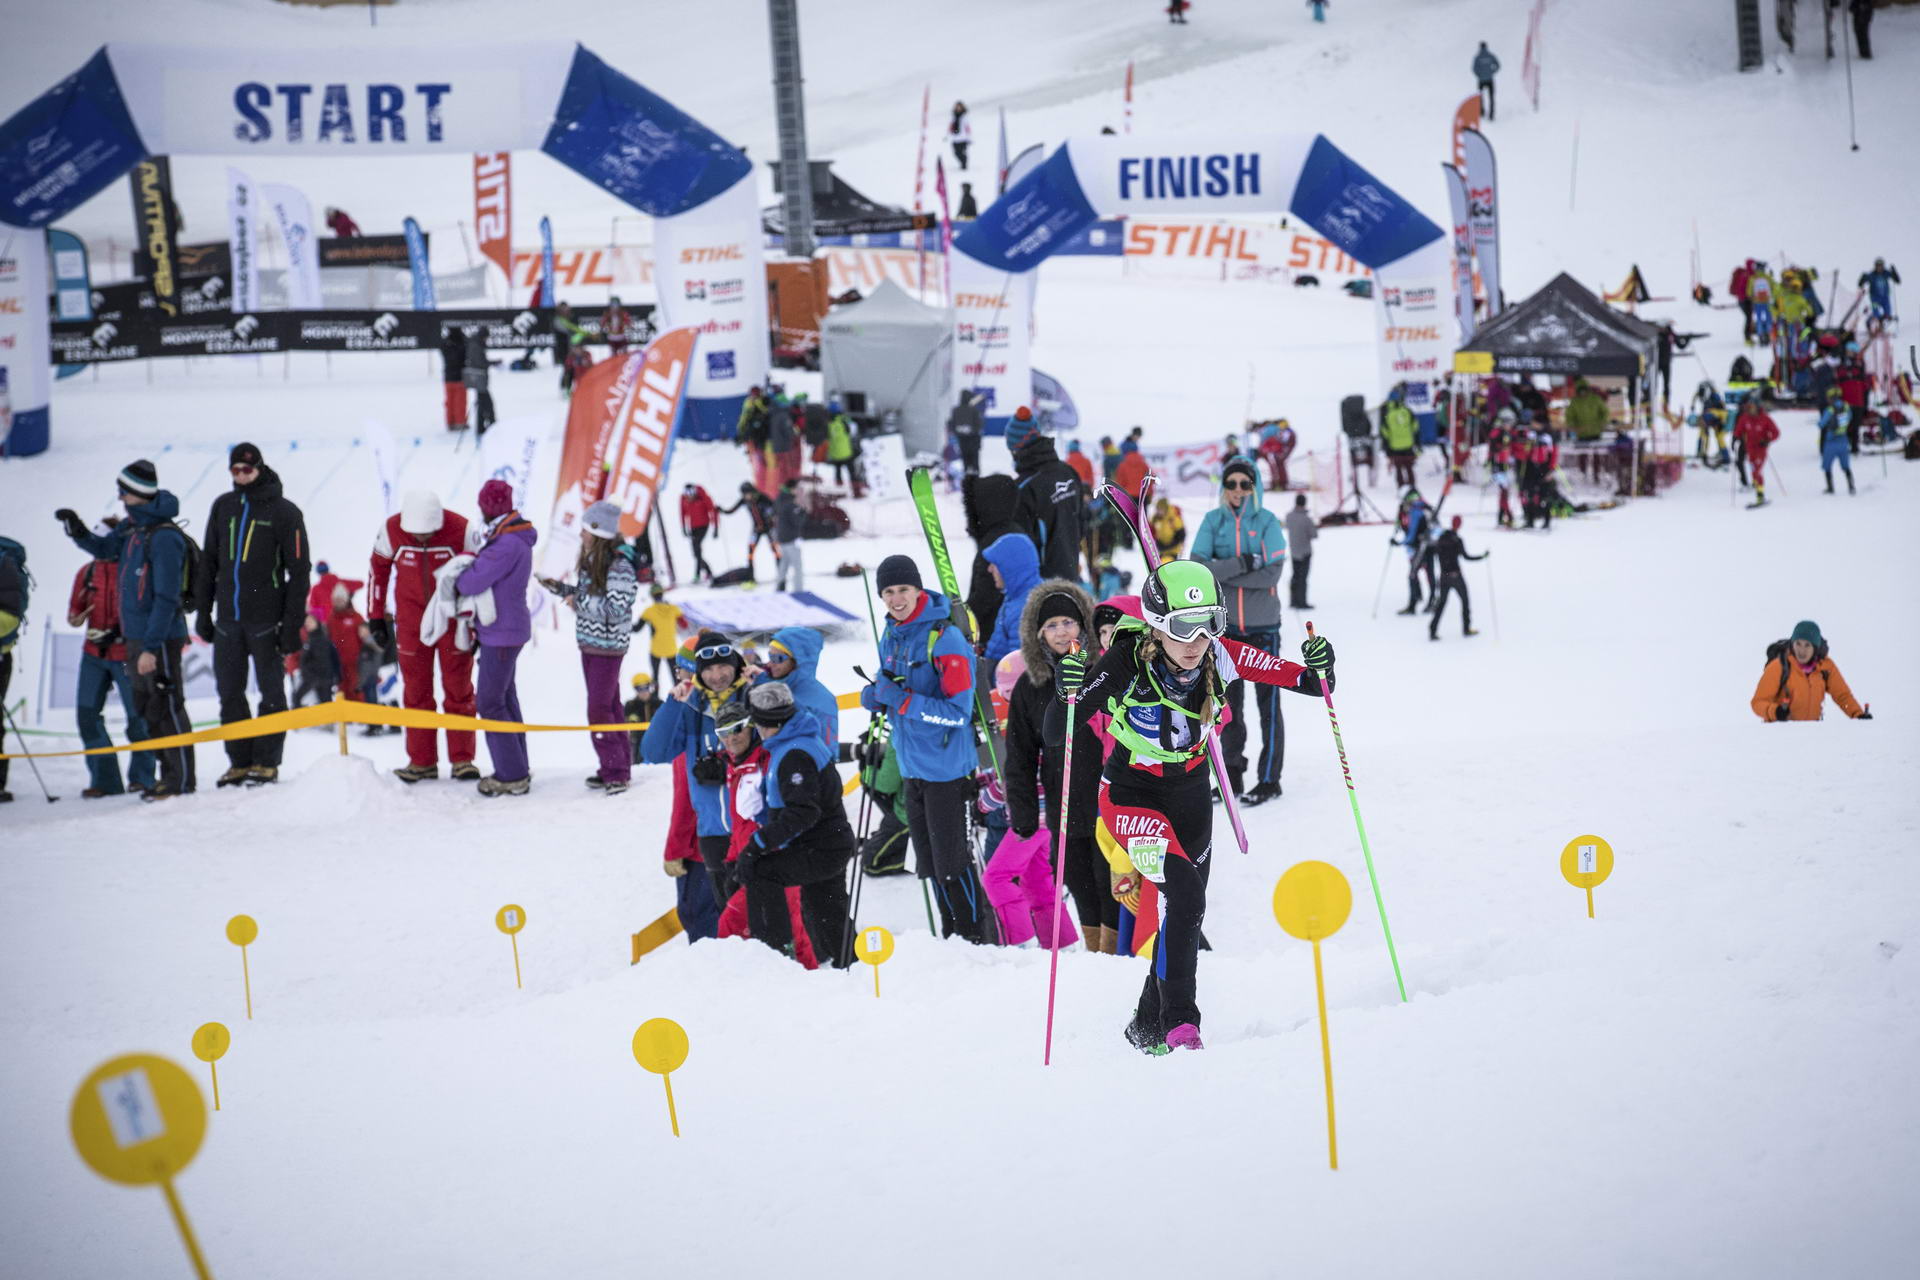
x: 1710, y: 1078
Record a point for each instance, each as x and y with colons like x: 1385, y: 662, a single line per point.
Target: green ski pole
x: 1353, y: 798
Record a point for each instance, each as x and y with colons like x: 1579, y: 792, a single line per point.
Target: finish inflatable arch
x: 1108, y: 176
x: 132, y: 101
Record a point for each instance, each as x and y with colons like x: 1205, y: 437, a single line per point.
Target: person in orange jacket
x: 1800, y: 677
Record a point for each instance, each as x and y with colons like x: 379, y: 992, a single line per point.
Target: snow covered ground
x: 1711, y: 1078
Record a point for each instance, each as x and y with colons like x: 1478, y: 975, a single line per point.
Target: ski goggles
x: 1189, y: 624
x: 714, y: 652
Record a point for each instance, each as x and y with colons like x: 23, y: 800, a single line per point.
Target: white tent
x: 898, y: 353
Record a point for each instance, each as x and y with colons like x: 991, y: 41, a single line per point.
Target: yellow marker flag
x: 874, y: 946
x: 510, y: 920
x: 139, y: 1119
x: 210, y: 1043
x: 1586, y: 862
x: 241, y: 930
x: 1311, y: 902
x: 660, y: 1045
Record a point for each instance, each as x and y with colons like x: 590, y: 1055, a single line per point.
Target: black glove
x: 74, y: 525
x: 382, y: 631
x: 1025, y: 830
x: 289, y: 639
x: 203, y: 625
x: 1780, y: 713
x: 1070, y: 673
x: 1249, y: 562
x: 1318, y: 652
x: 710, y: 770
x: 1864, y: 715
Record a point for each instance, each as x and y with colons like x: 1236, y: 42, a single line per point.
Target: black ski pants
x: 1486, y: 94
x: 823, y: 903
x: 700, y: 564
x: 1273, y: 726
x: 161, y: 699
x: 1449, y: 584
x: 1086, y: 875
x: 937, y: 825
x: 236, y: 647
x: 713, y: 853
x: 1170, y: 994
x: 1297, y: 586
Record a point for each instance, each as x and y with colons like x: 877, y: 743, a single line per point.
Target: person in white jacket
x: 960, y: 134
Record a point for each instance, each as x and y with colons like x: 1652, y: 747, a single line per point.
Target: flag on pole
x: 946, y: 228
x: 1001, y: 167
x: 1127, y: 124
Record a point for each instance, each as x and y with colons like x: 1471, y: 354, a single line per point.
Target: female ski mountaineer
x: 1163, y: 685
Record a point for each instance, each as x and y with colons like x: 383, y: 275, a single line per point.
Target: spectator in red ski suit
x: 699, y: 516
x: 411, y: 548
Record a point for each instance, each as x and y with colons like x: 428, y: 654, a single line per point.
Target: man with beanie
x: 803, y: 837
x: 1050, y: 507
x: 1448, y: 550
x: 925, y: 687
x: 685, y: 730
x: 152, y: 553
x: 1245, y: 547
x: 502, y: 567
x: 410, y: 549
x: 254, y: 569
x: 1301, y: 531
x: 94, y: 606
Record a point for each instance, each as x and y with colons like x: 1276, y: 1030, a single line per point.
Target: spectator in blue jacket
x: 152, y: 551
x: 1246, y: 547
x: 1015, y: 565
x: 685, y: 726
x: 1485, y: 68
x: 1834, y: 446
x: 793, y: 659
x: 925, y: 686
x: 802, y: 837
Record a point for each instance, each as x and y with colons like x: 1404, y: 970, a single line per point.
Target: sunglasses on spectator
x: 243, y: 469
x: 713, y: 652
x: 1231, y: 485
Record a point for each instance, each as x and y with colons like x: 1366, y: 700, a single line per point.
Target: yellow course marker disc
x: 660, y: 1045
x: 1312, y: 900
x: 138, y: 1119
x: 510, y: 919
x: 211, y: 1041
x: 1586, y: 861
x: 241, y: 931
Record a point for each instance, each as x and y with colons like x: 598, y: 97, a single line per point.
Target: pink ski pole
x: 1060, y: 870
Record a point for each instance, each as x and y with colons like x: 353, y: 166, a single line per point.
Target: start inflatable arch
x: 132, y: 101
x: 1109, y: 176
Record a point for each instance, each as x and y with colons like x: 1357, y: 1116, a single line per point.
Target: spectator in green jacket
x: 1587, y: 415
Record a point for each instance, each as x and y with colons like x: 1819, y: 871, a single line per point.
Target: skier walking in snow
x: 601, y: 597
x: 1163, y: 686
x: 960, y: 134
x: 1799, y: 677
x: 1416, y: 529
x: 1834, y: 446
x: 1879, y: 284
x: 254, y: 571
x: 411, y: 548
x: 925, y: 687
x: 1755, y: 431
x: 1301, y: 531
x: 1058, y: 618
x: 699, y: 516
x: 1485, y: 68
x: 759, y: 509
x: 1449, y: 551
x: 1244, y: 547
x: 500, y: 570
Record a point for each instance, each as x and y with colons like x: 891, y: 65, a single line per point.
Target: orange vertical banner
x: 1466, y: 116
x: 493, y: 208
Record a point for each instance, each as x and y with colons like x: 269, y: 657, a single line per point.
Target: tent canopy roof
x: 1566, y: 329
x: 891, y: 306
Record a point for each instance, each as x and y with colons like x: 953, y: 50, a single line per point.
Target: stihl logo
x: 716, y: 253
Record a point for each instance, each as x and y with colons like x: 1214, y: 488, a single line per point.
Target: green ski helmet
x: 1182, y: 599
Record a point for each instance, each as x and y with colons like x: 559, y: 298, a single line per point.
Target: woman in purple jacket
x: 503, y: 567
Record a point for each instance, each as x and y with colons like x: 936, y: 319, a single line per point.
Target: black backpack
x: 1742, y: 370
x: 193, y: 575
x: 11, y: 550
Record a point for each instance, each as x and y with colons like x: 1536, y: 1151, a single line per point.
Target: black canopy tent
x: 1566, y: 331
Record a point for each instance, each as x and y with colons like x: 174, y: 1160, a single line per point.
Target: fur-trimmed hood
x: 1033, y: 649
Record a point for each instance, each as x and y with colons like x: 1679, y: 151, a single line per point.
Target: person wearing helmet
x: 1161, y: 690
x: 410, y: 549
x: 1834, y: 446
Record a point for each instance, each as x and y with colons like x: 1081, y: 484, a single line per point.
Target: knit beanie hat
x: 1242, y: 465
x: 1809, y: 631
x: 420, y: 512
x: 140, y: 478
x: 771, y: 703
x: 245, y: 453
x: 1021, y: 428
x: 1058, y: 604
x: 603, y: 520
x: 715, y: 640
x: 897, y: 571
x: 496, y: 499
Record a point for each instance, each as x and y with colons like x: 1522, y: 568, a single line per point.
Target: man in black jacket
x: 965, y: 423
x: 1050, y: 508
x: 989, y: 502
x: 803, y: 837
x: 255, y: 563
x: 1449, y: 550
